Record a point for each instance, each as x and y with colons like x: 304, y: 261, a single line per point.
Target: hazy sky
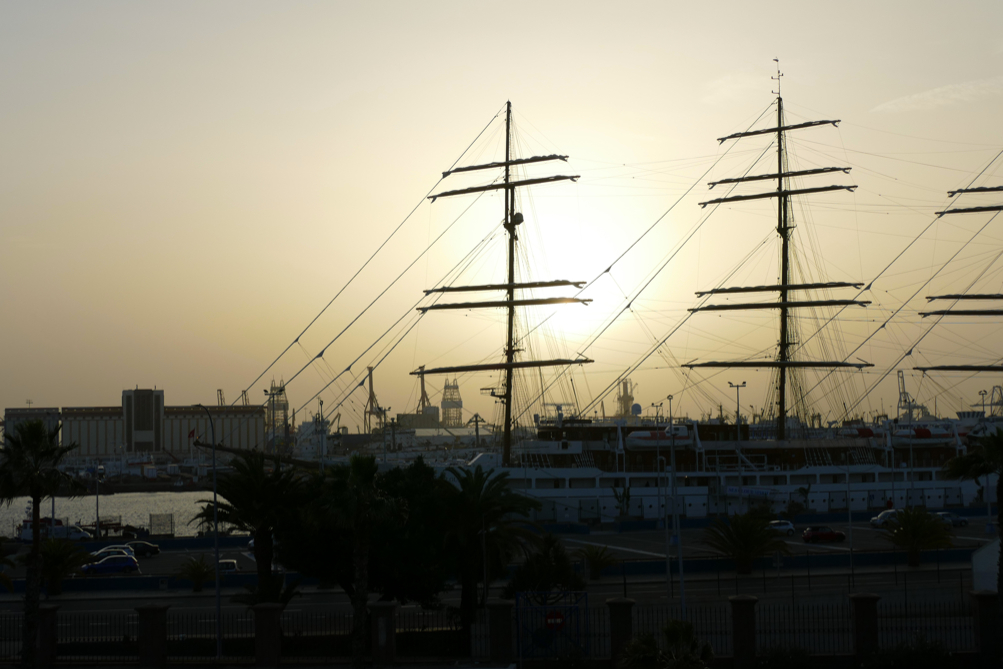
x: 184, y: 186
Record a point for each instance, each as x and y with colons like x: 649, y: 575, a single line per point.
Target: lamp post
x: 738, y: 439
x: 98, y: 477
x: 215, y: 536
x: 675, y: 514
x: 989, y: 505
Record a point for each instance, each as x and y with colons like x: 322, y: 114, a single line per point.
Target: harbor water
x: 133, y: 507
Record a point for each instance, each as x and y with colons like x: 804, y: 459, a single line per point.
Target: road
x: 774, y: 584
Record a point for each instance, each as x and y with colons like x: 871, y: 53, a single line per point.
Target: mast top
x: 777, y: 78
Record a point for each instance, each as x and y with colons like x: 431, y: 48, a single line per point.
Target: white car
x: 884, y: 518
x: 783, y: 527
x: 114, y: 550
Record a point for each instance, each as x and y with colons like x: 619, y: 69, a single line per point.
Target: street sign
x: 554, y: 620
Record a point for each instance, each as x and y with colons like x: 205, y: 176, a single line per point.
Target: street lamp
x: 675, y: 515
x: 215, y: 536
x: 738, y: 408
x: 98, y: 477
x: 738, y: 439
x: 989, y: 505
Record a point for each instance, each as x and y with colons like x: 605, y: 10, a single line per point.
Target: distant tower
x: 452, y: 405
x: 277, y: 414
x: 373, y: 408
x: 625, y: 399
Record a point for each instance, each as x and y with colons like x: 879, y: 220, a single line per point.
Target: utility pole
x: 738, y: 443
x: 675, y: 515
x: 476, y: 420
x: 738, y: 408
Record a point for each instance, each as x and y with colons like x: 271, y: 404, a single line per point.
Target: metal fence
x: 192, y: 636
x: 107, y: 638
x: 818, y: 629
x: 10, y: 637
x: 950, y: 624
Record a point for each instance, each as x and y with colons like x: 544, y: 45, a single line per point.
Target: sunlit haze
x: 184, y: 186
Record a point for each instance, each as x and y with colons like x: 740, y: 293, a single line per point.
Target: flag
x: 191, y: 435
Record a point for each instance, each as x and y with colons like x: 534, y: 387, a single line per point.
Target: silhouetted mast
x: 952, y: 311
x: 783, y: 193
x: 512, y: 220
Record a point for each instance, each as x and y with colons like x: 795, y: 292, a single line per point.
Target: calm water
x: 134, y: 508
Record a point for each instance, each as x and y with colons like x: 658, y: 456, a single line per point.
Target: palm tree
x: 596, y: 558
x: 918, y: 530
x: 984, y: 458
x: 745, y: 537
x: 357, y: 502
x: 257, y: 500
x: 197, y: 570
x: 60, y: 558
x: 485, y: 512
x: 547, y: 571
x: 29, y: 467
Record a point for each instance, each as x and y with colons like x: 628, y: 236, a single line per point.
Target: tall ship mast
x: 512, y: 220
x: 995, y: 299
x: 787, y: 363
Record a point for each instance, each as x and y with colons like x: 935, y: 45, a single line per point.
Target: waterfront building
x: 143, y: 425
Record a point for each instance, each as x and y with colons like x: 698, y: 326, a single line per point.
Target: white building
x: 144, y: 425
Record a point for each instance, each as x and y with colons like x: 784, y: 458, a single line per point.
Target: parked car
x: 954, y: 519
x: 228, y: 567
x: 782, y: 527
x: 884, y: 518
x: 144, y: 548
x: 113, y: 564
x: 817, y: 533
x: 108, y: 552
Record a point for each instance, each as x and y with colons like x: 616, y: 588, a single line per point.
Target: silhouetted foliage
x: 744, y: 537
x: 257, y: 498
x: 548, y: 569
x: 916, y: 530
x: 596, y: 559
x: 681, y: 649
x: 29, y: 467
x: 61, y: 558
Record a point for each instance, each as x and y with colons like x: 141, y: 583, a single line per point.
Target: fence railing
x: 711, y: 623
x: 950, y: 624
x: 820, y: 629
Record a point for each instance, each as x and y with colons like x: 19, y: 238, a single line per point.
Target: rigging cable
x: 933, y: 325
x: 365, y: 264
x: 887, y: 267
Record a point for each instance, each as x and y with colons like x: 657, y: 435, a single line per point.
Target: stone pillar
x: 500, y: 629
x: 987, y: 627
x: 865, y: 625
x: 383, y: 616
x: 48, y: 635
x: 152, y: 636
x: 743, y: 626
x: 267, y: 634
x: 621, y: 625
